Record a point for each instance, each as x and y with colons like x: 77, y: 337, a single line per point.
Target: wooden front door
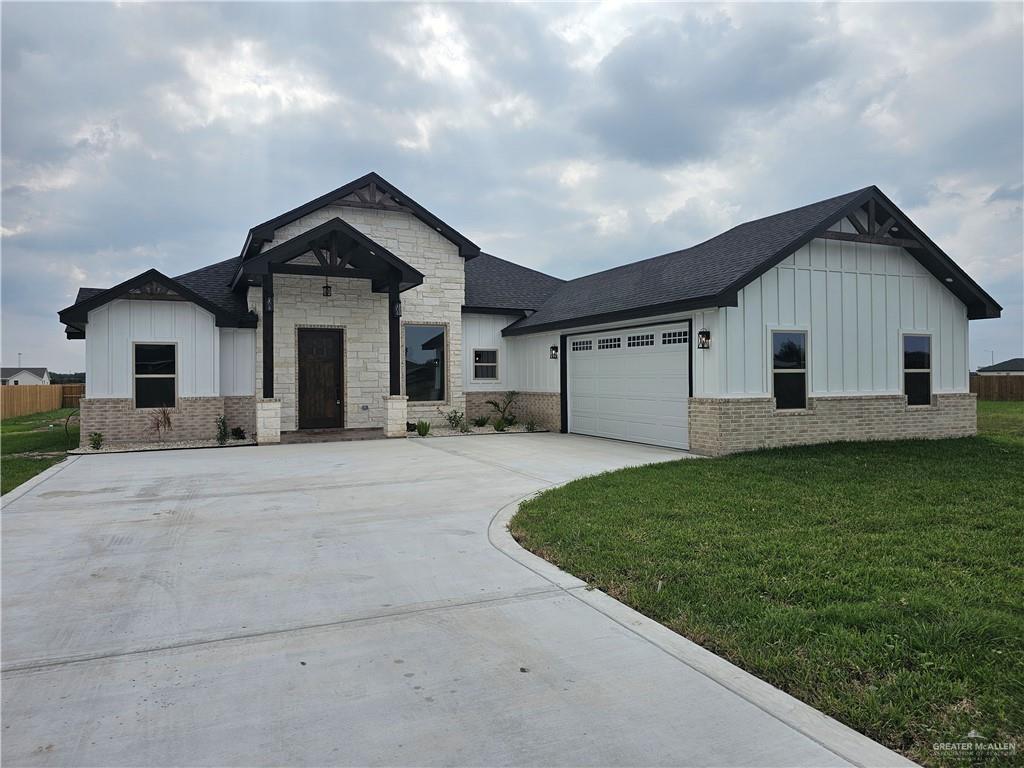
x: 320, y: 376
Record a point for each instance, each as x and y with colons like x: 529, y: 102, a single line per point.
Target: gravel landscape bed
x: 166, y: 445
x: 488, y: 430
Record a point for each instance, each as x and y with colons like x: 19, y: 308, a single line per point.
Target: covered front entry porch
x: 330, y: 311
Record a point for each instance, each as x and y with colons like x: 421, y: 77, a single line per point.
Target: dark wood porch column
x: 395, y: 336
x: 268, y: 335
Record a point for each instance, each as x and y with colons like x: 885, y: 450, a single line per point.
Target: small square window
x: 485, y: 364
x: 611, y: 342
x: 585, y: 345
x: 674, y: 337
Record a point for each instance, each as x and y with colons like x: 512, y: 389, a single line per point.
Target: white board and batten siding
x: 855, y: 301
x: 114, y: 328
x: 524, y: 362
x: 237, y: 361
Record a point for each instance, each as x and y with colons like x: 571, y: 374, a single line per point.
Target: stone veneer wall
x: 194, y: 418
x: 720, y: 426
x: 543, y: 407
x: 362, y: 317
x: 438, y: 300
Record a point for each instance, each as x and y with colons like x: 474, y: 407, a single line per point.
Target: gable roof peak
x: 371, y: 190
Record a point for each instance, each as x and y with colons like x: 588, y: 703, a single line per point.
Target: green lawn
x: 879, y: 582
x: 29, y: 444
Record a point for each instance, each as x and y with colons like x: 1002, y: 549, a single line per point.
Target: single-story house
x: 15, y: 376
x: 838, y: 320
x: 1012, y: 367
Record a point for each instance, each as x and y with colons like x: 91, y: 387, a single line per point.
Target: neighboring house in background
x: 24, y: 376
x: 839, y: 320
x: 1012, y: 367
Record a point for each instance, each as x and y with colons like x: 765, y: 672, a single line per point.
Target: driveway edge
x: 17, y: 492
x: 812, y: 723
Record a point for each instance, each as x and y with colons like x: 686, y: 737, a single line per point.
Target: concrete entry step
x: 331, y: 435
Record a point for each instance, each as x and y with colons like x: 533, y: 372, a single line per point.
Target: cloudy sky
x: 568, y: 138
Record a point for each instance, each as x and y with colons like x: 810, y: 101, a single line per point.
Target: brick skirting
x: 194, y: 418
x: 730, y: 425
x: 545, y: 408
x: 240, y: 411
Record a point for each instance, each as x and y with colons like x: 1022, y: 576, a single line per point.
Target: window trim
x: 805, y: 371
x: 134, y: 375
x: 930, y: 370
x: 474, y: 363
x: 447, y: 361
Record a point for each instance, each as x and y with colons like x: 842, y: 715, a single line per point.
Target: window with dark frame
x: 485, y: 364
x: 917, y: 369
x: 155, y: 376
x: 425, y: 363
x: 789, y: 369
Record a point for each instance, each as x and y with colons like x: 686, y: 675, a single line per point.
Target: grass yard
x: 28, y: 445
x: 879, y: 582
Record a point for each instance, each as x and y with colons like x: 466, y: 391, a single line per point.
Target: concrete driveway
x: 336, y: 604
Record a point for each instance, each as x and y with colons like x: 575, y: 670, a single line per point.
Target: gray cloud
x: 569, y: 138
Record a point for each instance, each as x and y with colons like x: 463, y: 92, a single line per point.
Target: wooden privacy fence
x: 26, y: 399
x: 72, y: 394
x: 998, y: 387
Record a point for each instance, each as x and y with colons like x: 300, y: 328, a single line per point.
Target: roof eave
x: 77, y: 315
x: 723, y: 299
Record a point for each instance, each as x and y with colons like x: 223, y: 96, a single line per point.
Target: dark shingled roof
x: 6, y: 373
x: 493, y: 283
x: 214, y: 283
x: 1012, y: 365
x: 710, y: 274
x: 703, y: 271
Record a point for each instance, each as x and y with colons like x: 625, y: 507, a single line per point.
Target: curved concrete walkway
x: 343, y: 604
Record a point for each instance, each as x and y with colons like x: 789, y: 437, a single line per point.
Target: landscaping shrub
x: 481, y: 421
x: 160, y: 422
x: 422, y: 428
x: 503, y: 408
x: 237, y: 433
x: 454, y: 417
x: 222, y: 430
x: 95, y: 440
x: 500, y: 425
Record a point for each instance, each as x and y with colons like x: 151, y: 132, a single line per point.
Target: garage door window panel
x: 789, y: 369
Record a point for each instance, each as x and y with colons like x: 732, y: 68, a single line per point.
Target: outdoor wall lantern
x: 703, y: 339
x: 268, y: 304
x: 327, y: 290
x: 553, y: 352
x: 397, y: 309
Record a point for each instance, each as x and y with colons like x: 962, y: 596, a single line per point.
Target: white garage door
x: 631, y: 385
